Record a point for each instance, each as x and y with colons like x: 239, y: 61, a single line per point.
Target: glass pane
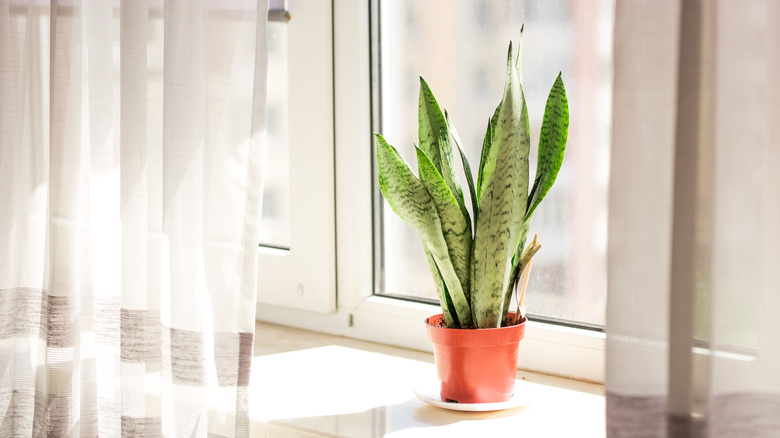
x: 460, y: 46
x: 275, y: 223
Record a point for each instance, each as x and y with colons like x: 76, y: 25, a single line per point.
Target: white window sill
x: 307, y: 384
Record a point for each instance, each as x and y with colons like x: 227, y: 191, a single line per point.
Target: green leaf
x: 518, y: 65
x: 466, y: 166
x: 502, y: 205
x: 431, y: 124
x: 447, y: 308
x: 456, y: 226
x: 552, y: 144
x: 435, y: 140
x: 487, y: 143
x: 410, y: 200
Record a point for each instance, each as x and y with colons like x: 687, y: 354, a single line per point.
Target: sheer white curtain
x: 693, y: 332
x: 130, y: 189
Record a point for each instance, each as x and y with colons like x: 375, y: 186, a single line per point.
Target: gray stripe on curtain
x: 19, y: 405
x: 28, y: 311
x: 140, y: 335
x: 51, y: 414
x: 647, y: 417
x: 754, y: 415
x: 61, y: 317
x: 56, y: 321
x: 142, y: 427
x: 636, y: 417
x: 185, y: 355
x: 20, y: 312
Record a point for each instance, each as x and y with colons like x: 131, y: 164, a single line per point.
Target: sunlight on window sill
x: 311, y: 384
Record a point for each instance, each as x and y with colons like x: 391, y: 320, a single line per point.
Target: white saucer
x: 431, y: 395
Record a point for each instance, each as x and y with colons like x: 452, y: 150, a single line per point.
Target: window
x: 296, y: 262
x: 337, y: 79
x: 462, y: 53
x: 275, y: 223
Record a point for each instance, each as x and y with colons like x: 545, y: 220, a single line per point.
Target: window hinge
x: 278, y: 12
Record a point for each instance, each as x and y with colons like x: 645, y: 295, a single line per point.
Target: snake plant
x: 476, y: 261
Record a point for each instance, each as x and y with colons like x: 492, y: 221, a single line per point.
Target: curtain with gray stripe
x: 130, y: 188
x: 693, y: 333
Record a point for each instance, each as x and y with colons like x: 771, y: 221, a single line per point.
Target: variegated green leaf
x: 430, y: 124
x: 518, y: 64
x: 552, y: 144
x: 434, y: 139
x: 410, y: 200
x: 466, y: 166
x: 487, y: 143
x: 455, y: 226
x: 447, y: 308
x: 502, y: 205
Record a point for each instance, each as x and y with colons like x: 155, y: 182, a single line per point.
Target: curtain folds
x: 130, y: 186
x: 694, y: 242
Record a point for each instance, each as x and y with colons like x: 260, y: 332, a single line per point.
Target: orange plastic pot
x: 475, y: 365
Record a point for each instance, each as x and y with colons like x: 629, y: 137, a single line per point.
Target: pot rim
x: 471, y: 329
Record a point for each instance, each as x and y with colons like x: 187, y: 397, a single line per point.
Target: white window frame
x: 548, y: 348
x: 304, y: 277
